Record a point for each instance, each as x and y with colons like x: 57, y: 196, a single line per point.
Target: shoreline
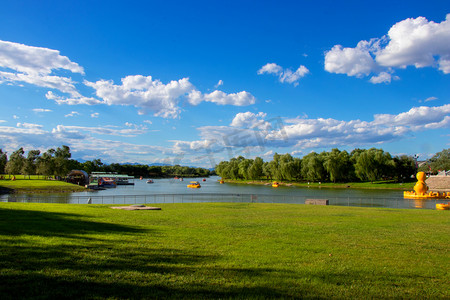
x: 350, y: 185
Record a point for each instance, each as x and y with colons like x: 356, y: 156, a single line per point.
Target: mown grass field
x: 222, y: 250
x: 36, y: 184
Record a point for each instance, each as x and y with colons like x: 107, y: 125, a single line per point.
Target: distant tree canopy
x: 58, y: 162
x: 334, y: 166
x: 439, y: 162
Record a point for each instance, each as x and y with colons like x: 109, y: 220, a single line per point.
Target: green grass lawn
x: 34, y: 185
x: 222, y: 250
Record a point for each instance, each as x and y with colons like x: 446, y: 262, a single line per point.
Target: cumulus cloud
x: 39, y: 66
x: 284, y: 75
x: 250, y: 120
x: 95, y: 115
x: 221, y: 98
x: 411, y: 42
x: 144, y: 93
x: 35, y: 65
x: 383, y: 77
x: 253, y: 131
x: 351, y: 61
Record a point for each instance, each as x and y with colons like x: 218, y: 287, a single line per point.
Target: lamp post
x: 416, y: 157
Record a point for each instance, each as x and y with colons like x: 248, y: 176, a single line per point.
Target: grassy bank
x: 358, y: 185
x: 21, y: 185
x: 222, y: 250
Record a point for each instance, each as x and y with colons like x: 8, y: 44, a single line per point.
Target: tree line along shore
x: 57, y: 163
x: 360, y: 168
x: 335, y: 167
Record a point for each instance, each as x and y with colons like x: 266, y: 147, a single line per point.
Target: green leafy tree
x: 374, y: 164
x: 256, y: 169
x: 404, y: 167
x: 440, y: 161
x: 337, y: 163
x: 3, y: 161
x: 267, y: 171
x: 312, y: 167
x: 244, y: 167
x: 16, y: 162
x: 297, y: 165
x: 287, y: 168
x: 45, y: 163
x: 275, y: 167
x: 29, y: 166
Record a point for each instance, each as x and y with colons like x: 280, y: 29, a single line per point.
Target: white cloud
x: 29, y: 125
x: 77, y: 100
x: 246, y: 133
x: 221, y: 98
x: 411, y: 42
x: 72, y: 114
x: 430, y: 99
x: 249, y: 120
x: 145, y: 93
x: 417, y: 42
x: 383, y: 77
x: 270, y: 68
x: 34, y: 60
x: 219, y: 83
x: 351, y: 61
x: 284, y: 75
x: 39, y: 110
x: 35, y: 65
x: 104, y: 130
x: 238, y: 99
x: 95, y: 115
x: 293, y: 77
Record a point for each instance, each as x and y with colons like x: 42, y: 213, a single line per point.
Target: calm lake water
x: 176, y: 191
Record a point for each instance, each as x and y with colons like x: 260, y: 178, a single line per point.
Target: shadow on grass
x: 51, y: 224
x: 58, y: 255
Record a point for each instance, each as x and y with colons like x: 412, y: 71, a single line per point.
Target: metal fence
x: 205, y: 197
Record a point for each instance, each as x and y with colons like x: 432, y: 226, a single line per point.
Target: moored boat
x: 443, y: 206
x: 194, y: 185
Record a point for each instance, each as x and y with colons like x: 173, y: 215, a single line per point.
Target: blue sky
x: 197, y: 82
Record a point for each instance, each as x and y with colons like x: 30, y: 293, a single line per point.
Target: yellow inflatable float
x: 421, y: 190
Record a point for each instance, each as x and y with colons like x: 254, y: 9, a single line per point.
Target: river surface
x: 176, y: 191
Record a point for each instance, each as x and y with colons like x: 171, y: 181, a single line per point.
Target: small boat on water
x: 443, y: 206
x: 150, y: 181
x: 275, y: 184
x: 194, y: 185
x: 181, y: 179
x: 106, y: 182
x: 221, y: 181
x: 204, y: 179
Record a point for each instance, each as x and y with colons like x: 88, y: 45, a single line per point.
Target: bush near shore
x: 222, y: 250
